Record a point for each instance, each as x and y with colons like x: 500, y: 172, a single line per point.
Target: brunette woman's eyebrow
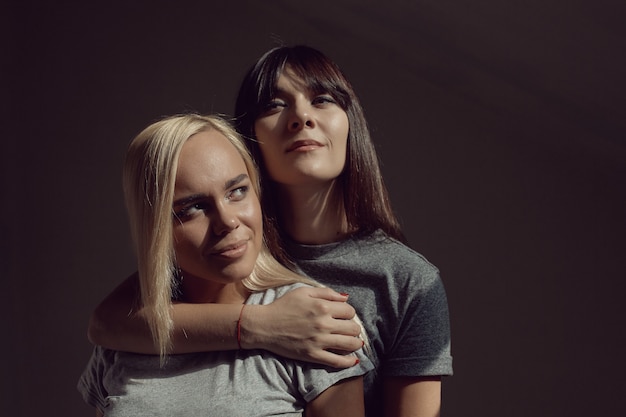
x: 279, y: 91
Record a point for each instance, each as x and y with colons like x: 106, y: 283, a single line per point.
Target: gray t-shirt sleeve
x: 90, y: 385
x: 312, y: 380
x: 422, y: 342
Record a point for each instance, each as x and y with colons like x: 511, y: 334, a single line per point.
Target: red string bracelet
x: 239, y: 326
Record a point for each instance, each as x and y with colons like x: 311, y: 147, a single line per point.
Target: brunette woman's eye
x: 273, y: 105
x: 324, y: 99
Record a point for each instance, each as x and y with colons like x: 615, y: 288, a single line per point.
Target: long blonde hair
x: 149, y: 178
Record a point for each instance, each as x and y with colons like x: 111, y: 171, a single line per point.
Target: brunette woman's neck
x: 312, y: 214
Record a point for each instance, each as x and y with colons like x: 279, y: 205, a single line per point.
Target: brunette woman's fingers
x: 336, y: 324
x: 343, y: 311
x: 327, y: 294
x: 343, y: 345
x: 321, y: 302
x: 334, y: 360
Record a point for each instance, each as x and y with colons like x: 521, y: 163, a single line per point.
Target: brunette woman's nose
x: 299, y: 119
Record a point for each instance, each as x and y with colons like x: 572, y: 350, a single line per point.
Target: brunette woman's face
x: 302, y: 135
x: 217, y: 224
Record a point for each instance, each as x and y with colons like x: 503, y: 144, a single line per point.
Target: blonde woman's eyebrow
x: 234, y: 181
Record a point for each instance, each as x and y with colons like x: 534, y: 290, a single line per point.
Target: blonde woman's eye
x: 188, y: 211
x: 238, y: 193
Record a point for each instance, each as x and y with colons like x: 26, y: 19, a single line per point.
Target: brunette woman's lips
x: 304, y: 145
x: 232, y: 251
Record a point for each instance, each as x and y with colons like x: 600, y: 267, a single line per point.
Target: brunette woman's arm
x: 413, y: 396
x: 344, y: 399
x: 305, y: 324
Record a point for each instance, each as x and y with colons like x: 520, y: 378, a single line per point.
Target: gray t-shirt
x: 230, y: 383
x: 398, y: 295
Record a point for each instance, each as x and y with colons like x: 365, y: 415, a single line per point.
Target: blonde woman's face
x: 302, y: 135
x: 217, y: 215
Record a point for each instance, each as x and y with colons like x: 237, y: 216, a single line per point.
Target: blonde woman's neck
x: 199, y: 290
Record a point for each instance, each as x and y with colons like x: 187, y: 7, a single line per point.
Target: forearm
x: 117, y: 323
x: 307, y: 324
x: 345, y: 399
x: 413, y: 396
x: 197, y: 328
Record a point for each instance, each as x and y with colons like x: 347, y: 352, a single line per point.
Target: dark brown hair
x: 366, y: 199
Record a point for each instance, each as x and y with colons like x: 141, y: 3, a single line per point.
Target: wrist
x: 248, y: 327
x: 239, y: 321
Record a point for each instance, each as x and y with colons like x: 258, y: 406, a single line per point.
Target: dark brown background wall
x: 502, y: 133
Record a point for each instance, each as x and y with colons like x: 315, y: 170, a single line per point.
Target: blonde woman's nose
x: 225, y: 221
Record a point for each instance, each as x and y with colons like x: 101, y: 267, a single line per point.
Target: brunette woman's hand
x: 309, y: 324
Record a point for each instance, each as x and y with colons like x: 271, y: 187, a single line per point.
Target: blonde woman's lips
x: 232, y: 251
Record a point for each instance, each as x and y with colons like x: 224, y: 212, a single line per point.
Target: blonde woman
x: 192, y: 194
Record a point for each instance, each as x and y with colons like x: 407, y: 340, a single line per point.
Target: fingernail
x: 344, y: 294
x: 356, y: 362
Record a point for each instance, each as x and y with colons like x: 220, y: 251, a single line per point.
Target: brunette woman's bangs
x: 318, y: 74
x: 266, y: 77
